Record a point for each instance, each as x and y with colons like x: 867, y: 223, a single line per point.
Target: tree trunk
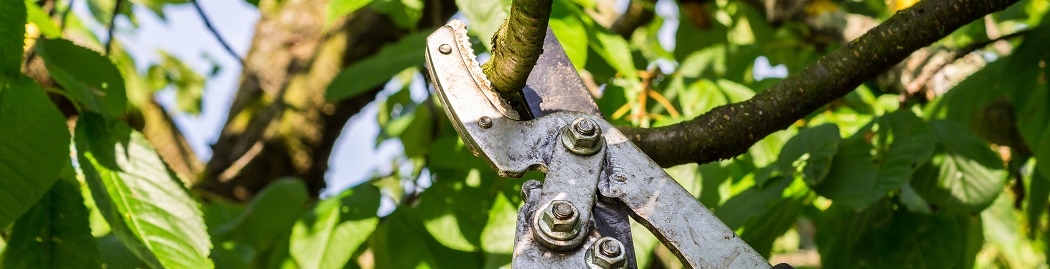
x: 279, y: 124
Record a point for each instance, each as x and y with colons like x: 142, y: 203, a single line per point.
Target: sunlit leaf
x: 484, y: 17
x: 569, y: 28
x: 189, y: 86
x: 810, y: 152
x: 332, y: 231
x: 971, y: 175
x: 404, y: 13
x: 86, y: 75
x: 269, y: 217
x: 38, y: 17
x: 339, y: 8
x: 455, y: 208
x: 143, y: 202
x: 615, y: 50
x: 377, y: 69
x: 400, y: 241
x: 54, y: 233
x: 34, y: 145
x: 900, y: 141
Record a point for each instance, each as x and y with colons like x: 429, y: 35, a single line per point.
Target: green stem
x: 515, y: 47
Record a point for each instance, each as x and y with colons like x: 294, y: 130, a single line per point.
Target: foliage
x: 868, y: 181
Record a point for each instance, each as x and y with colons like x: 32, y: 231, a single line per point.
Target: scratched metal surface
x: 695, y: 235
x: 513, y: 147
x: 554, y: 85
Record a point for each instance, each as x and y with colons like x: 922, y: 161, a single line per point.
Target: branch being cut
x: 730, y: 130
x: 515, y: 47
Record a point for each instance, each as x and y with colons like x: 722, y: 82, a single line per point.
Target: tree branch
x: 207, y: 23
x: 638, y: 13
x: 515, y: 47
x: 730, y: 130
x: 112, y: 25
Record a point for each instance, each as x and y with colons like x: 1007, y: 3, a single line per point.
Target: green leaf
x: 1038, y: 198
x: 810, y: 153
x: 485, y: 17
x: 400, y: 241
x: 568, y: 25
x: 54, y: 233
x: 143, y: 202
x: 34, y: 145
x: 189, y: 86
x: 763, y: 213
x: 339, y: 8
x: 455, y: 207
x: 900, y: 141
x: 419, y: 133
x: 498, y: 235
x: 269, y: 217
x: 971, y: 175
x: 377, y: 69
x: 752, y: 203
x: 89, y: 77
x: 404, y: 13
x: 881, y: 237
x: 329, y: 234
x: 12, y: 33
x: 42, y: 21
x: 116, y: 255
x: 615, y: 50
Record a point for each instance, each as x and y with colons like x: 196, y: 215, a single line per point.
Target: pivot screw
x: 583, y: 137
x: 563, y: 211
x: 445, y: 49
x: 606, y: 253
x: 560, y: 220
x: 485, y: 122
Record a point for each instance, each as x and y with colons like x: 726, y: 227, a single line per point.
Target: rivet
x: 485, y: 122
x: 445, y: 49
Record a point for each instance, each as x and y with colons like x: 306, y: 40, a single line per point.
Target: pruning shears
x: 595, y: 177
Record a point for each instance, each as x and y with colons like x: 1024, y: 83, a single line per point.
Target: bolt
x: 610, y: 248
x: 607, y: 253
x: 585, y: 127
x: 560, y: 220
x: 445, y: 49
x: 485, y: 122
x: 584, y: 138
x: 563, y: 210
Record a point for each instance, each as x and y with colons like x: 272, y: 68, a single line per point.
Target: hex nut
x: 607, y: 253
x: 560, y: 220
x: 582, y: 137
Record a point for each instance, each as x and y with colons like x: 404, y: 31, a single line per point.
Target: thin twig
x: 65, y: 15
x: 112, y: 25
x: 207, y: 23
x: 919, y: 83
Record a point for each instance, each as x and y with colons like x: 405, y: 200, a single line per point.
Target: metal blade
x: 554, y: 85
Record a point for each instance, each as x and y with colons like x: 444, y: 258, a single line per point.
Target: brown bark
x: 279, y: 124
x: 730, y: 130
